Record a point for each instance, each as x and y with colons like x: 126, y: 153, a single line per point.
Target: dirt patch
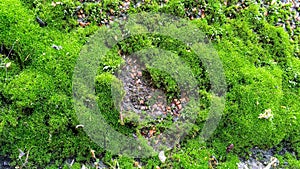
x: 144, y: 101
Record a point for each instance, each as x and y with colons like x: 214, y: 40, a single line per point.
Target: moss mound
x: 260, y: 59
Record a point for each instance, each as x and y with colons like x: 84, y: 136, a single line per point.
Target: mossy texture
x: 260, y: 61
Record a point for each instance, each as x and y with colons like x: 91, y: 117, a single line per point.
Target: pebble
x: 162, y: 156
x: 229, y: 148
x: 136, y: 164
x: 142, y: 102
x: 262, y: 159
x: 4, y: 163
x: 179, y: 106
x: 139, y: 73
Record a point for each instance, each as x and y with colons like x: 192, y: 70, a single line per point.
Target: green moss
x: 109, y: 92
x: 37, y: 115
x: 261, y: 91
x: 292, y: 161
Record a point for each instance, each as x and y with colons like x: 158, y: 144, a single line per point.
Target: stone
x: 162, y: 156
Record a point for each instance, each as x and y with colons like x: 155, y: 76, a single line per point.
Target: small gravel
x: 142, y: 96
x: 4, y: 163
x: 262, y: 159
x: 145, y: 100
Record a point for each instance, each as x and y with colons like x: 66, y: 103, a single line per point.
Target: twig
x: 5, y: 71
x: 26, y: 159
x: 121, y: 119
x: 27, y: 57
x: 271, y: 163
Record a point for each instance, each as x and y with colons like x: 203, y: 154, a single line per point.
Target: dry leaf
x: 93, y: 154
x: 151, y: 132
x: 266, y: 115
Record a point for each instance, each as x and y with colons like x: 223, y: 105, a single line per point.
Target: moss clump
x: 260, y: 60
x: 110, y: 92
x: 29, y: 89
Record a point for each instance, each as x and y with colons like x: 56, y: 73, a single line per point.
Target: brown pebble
x: 202, y: 14
x: 142, y: 102
x: 179, y: 106
x: 176, y: 114
x: 138, y: 81
x: 182, y: 100
x: 229, y: 148
x: 154, y: 106
x: 156, y: 142
x: 139, y: 73
x: 83, y: 24
x: 111, y: 11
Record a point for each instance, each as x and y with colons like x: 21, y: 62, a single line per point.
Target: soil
x: 144, y: 99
